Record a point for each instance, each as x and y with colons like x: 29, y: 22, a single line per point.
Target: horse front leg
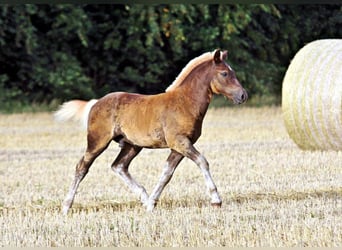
x: 172, y: 162
x: 185, y: 146
x: 120, y: 167
x: 203, y: 164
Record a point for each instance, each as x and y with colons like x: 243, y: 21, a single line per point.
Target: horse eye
x: 224, y: 74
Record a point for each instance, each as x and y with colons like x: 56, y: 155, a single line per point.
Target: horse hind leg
x: 120, y: 167
x: 96, y: 145
x: 81, y: 171
x: 171, y: 164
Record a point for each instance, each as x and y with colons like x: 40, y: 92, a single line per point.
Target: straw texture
x: 312, y: 96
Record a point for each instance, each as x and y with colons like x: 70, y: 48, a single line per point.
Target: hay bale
x: 312, y: 96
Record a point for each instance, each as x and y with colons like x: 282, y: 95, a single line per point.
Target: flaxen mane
x: 189, y: 67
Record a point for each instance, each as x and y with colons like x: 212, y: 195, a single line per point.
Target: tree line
x: 65, y: 51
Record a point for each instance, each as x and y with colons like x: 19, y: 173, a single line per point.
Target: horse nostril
x: 243, y: 97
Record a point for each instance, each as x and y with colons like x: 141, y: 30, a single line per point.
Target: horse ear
x: 217, y: 56
x: 224, y: 55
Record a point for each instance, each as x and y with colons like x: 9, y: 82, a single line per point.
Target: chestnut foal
x: 168, y: 120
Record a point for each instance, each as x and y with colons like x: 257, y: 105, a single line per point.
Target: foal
x: 168, y: 120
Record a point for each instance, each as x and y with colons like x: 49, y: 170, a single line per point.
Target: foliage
x: 65, y: 51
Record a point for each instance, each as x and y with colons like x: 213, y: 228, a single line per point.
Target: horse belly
x: 145, y: 138
x: 144, y: 130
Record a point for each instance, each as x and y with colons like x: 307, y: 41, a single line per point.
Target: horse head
x: 224, y: 80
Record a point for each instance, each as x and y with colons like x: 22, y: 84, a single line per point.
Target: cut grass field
x: 274, y: 194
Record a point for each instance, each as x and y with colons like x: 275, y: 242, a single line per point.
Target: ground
x: 274, y: 194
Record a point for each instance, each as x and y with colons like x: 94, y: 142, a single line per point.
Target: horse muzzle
x: 240, y: 97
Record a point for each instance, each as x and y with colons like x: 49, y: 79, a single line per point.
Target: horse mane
x: 188, y: 68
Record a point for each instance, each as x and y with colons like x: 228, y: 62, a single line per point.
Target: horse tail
x: 76, y: 110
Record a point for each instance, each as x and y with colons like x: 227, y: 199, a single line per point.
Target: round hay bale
x: 312, y: 96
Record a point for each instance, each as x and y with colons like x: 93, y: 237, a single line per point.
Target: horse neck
x: 196, y: 88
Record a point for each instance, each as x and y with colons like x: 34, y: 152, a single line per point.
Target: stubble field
x: 274, y: 194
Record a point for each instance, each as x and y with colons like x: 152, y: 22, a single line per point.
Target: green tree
x: 65, y: 51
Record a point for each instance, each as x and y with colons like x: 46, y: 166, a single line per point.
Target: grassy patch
x: 274, y: 194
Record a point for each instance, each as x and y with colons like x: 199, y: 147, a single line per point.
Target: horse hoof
x: 218, y: 205
x: 150, y: 208
x: 150, y: 205
x: 65, y: 210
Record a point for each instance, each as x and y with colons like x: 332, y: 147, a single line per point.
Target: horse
x: 172, y: 119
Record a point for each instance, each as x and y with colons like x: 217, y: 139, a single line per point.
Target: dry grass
x: 273, y: 193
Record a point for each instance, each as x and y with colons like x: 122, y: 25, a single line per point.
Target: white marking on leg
x: 150, y: 205
x: 163, y: 181
x: 69, y: 199
x: 67, y: 202
x: 204, y: 166
x: 131, y: 183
